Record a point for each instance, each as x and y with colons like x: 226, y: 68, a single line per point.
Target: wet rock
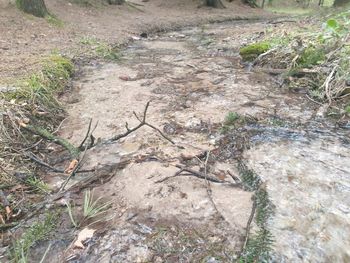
x: 144, y: 35
x: 193, y: 123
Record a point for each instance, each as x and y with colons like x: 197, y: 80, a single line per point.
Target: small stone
x: 144, y: 35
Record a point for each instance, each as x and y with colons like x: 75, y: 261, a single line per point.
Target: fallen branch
x: 142, y: 123
x: 74, y: 152
x: 198, y: 175
x: 88, y: 134
x: 53, y: 169
x: 209, y: 191
x: 38, y: 161
x: 74, y: 171
x: 247, y: 229
x: 7, y: 226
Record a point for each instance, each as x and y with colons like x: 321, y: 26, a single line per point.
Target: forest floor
x: 26, y: 40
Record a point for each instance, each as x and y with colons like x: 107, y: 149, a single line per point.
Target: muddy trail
x: 193, y: 78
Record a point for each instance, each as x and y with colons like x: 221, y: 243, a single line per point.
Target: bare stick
x: 209, y: 191
x: 46, y: 165
x: 247, y: 229
x: 86, y: 136
x: 196, y: 174
x: 143, y: 122
x: 37, y: 160
x: 74, y: 171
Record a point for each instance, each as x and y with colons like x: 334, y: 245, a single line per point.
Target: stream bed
x: 194, y: 77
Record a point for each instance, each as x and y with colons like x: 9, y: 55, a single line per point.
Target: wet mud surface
x: 193, y: 78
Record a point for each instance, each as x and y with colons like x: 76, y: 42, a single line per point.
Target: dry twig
x: 142, y: 123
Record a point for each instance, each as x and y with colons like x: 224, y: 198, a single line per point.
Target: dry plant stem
x: 197, y: 174
x: 7, y: 226
x: 38, y: 161
x: 326, y: 85
x: 73, y: 172
x: 247, y: 229
x: 142, y: 123
x: 4, y: 200
x: 86, y: 136
x: 209, y: 191
x: 53, y: 169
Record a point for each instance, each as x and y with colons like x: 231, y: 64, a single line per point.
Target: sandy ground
x: 25, y: 39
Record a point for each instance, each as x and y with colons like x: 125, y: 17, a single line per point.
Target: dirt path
x: 193, y: 78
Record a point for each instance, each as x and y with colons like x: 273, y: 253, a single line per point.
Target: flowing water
x: 193, y: 78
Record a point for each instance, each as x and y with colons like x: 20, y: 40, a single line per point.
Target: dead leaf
x: 221, y: 175
x: 73, y: 164
x: 2, y: 220
x: 125, y: 78
x: 8, y: 212
x: 83, y: 235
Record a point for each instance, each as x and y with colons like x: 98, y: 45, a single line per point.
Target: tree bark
x: 340, y: 2
x: 251, y: 3
x: 33, y: 7
x: 214, y: 3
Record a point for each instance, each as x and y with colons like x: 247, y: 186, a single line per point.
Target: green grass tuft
x: 40, y: 88
x: 311, y: 56
x: 101, y: 49
x: 53, y: 20
x: 36, y: 232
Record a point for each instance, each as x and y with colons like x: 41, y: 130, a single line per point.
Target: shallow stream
x: 193, y: 78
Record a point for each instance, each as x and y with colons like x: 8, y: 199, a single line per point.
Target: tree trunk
x: 214, y: 3
x: 33, y: 7
x: 251, y: 3
x: 340, y: 2
x: 116, y: 2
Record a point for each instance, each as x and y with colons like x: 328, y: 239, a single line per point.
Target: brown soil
x: 26, y: 39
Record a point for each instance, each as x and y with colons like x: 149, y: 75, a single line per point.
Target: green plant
x: 53, y: 20
x: 70, y: 213
x: 231, y: 118
x: 347, y: 109
x: 40, y: 88
x: 250, y: 180
x: 38, y: 184
x: 100, y: 48
x: 259, y: 245
x: 252, y: 51
x: 91, y: 208
x: 35, y: 233
x: 311, y: 56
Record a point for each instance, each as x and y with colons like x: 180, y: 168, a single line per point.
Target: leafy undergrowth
x: 315, y: 58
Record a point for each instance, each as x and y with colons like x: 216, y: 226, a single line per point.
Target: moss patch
x: 252, y: 51
x: 311, y: 56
